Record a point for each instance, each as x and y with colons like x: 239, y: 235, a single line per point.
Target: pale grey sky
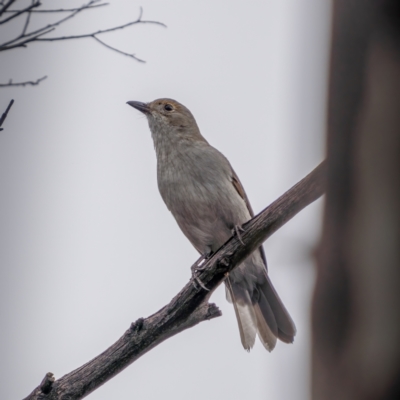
x: 87, y: 245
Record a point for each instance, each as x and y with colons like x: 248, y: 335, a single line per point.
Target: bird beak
x: 142, y: 107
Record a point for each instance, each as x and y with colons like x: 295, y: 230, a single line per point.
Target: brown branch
x: 31, y: 83
x: 190, y: 306
x: 4, y: 116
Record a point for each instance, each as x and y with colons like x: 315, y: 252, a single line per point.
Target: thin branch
x: 28, y: 18
x: 5, y: 46
x: 118, y: 51
x: 61, y: 9
x: 31, y: 39
x: 31, y: 83
x: 190, y: 306
x: 4, y: 116
x: 23, y: 40
x: 37, y: 35
x: 5, y: 6
x: 73, y: 13
x: 20, y: 12
x: 138, y: 21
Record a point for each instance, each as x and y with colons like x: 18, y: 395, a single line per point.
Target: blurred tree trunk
x: 356, y: 304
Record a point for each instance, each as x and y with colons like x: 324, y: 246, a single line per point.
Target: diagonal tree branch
x: 116, y: 50
x: 189, y: 307
x: 4, y: 115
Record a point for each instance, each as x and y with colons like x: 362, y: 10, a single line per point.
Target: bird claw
x: 196, y: 267
x: 196, y: 280
x: 237, y: 229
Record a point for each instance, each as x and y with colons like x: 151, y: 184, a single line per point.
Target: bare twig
x: 116, y: 50
x: 28, y: 18
x: 190, y: 306
x: 60, y: 10
x: 99, y: 32
x: 4, y: 116
x: 23, y: 39
x: 17, y: 13
x: 27, y: 37
x: 31, y: 83
x: 5, y: 6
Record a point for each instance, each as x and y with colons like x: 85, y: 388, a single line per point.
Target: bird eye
x: 168, y: 107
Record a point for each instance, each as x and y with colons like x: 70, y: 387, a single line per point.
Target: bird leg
x: 196, y: 266
x: 237, y: 229
x: 199, y: 266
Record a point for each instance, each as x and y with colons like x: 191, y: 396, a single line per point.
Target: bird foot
x: 199, y: 265
x: 197, y: 281
x: 237, y: 229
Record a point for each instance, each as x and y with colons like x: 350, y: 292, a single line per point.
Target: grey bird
x: 204, y: 194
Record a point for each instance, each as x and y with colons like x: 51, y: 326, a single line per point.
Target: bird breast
x: 195, y: 183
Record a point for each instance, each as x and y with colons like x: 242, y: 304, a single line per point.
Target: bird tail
x: 259, y: 310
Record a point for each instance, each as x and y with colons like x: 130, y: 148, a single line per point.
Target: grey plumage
x: 204, y: 194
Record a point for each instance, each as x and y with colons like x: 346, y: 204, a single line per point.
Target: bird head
x: 168, y: 117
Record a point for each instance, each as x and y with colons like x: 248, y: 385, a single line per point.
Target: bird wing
x: 239, y: 188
